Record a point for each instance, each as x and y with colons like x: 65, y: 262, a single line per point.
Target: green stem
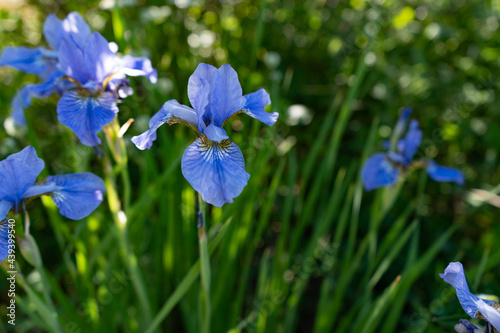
x: 53, y: 318
x: 120, y: 227
x: 204, y: 266
x: 186, y: 282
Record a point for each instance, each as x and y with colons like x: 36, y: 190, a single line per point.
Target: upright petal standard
x: 212, y: 164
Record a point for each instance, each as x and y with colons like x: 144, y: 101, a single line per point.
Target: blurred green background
x: 301, y: 252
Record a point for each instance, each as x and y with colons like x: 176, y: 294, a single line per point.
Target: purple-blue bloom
x: 99, y: 78
x: 473, y: 305
x: 76, y: 195
x: 212, y: 164
x: 43, y: 61
x: 82, y: 67
x: 384, y: 168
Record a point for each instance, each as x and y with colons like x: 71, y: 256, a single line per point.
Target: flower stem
x: 116, y: 146
x: 36, y: 257
x: 204, y: 267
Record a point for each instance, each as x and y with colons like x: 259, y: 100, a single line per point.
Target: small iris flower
x: 475, y: 307
x: 384, y: 169
x: 84, y: 68
x: 76, y: 195
x: 212, y: 164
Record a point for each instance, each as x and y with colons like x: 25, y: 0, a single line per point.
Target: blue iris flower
x: 474, y: 306
x: 99, y: 78
x: 82, y: 67
x: 43, y: 61
x: 76, y: 195
x: 212, y: 164
x: 384, y: 168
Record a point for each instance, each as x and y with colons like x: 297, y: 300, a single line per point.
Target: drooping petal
x: 411, y: 142
x: 72, y: 62
x: 78, y: 194
x: 85, y: 114
x: 454, y: 275
x: 100, y: 61
x: 52, y: 31
x: 215, y: 133
x: 254, y: 107
x: 18, y: 173
x: 50, y: 86
x: 24, y: 96
x: 378, y: 171
x: 76, y: 29
x: 444, y: 174
x: 25, y: 59
x: 21, y: 101
x: 139, y: 66
x: 227, y: 95
x: 169, y: 109
x: 215, y: 170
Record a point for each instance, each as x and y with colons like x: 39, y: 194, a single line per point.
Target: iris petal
x: 23, y: 97
x: 444, y: 174
x: 203, y: 71
x: 4, y: 240
x: 199, y: 96
x: 409, y: 145
x: 378, y: 171
x: 227, y: 96
x: 72, y: 62
x: 18, y: 173
x: 21, y: 101
x: 53, y: 84
x: 100, y: 61
x: 76, y: 29
x: 454, y: 275
x: 169, y: 109
x: 25, y: 59
x: 5, y: 206
x: 139, y: 66
x: 40, y: 189
x: 215, y: 133
x: 86, y: 115
x: 491, y: 314
x: 52, y: 31
x: 77, y: 195
x: 206, y: 72
x: 254, y: 107
x: 216, y: 171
